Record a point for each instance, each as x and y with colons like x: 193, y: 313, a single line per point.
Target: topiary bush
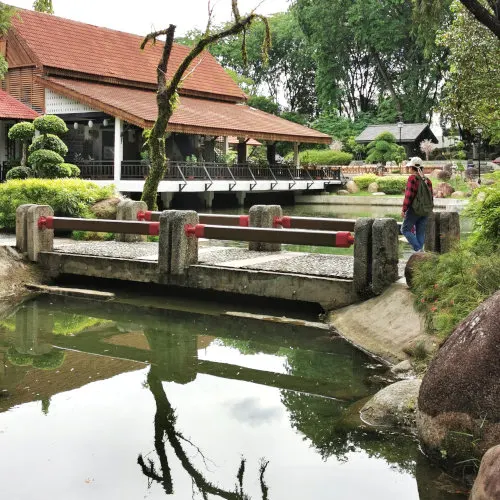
x: 23, y: 132
x: 75, y: 171
x: 48, y: 141
x: 50, y: 124
x: 324, y: 157
x: 392, y: 184
x: 68, y: 197
x: 44, y: 157
x: 384, y: 149
x: 19, y: 173
x: 363, y: 181
x: 51, y: 171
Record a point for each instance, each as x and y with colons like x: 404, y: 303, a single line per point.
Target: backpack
x: 423, y: 202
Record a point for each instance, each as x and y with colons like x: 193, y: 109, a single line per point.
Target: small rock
x: 373, y: 187
x: 413, y: 261
x: 403, y: 369
x: 393, y: 406
x: 481, y: 196
x: 342, y: 192
x: 487, y: 484
x: 458, y: 194
x: 352, y: 187
x: 443, y: 190
x: 380, y: 193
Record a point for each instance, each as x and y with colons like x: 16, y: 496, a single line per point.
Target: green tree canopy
x: 472, y: 89
x: 43, y: 6
x: 6, y: 13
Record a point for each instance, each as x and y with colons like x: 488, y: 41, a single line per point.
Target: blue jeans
x: 412, y: 219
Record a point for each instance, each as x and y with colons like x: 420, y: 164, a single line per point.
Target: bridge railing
x: 207, y: 171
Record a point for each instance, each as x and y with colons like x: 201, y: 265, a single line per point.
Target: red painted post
x: 284, y: 221
x: 154, y: 228
x: 197, y: 231
x: 244, y: 220
x: 344, y: 239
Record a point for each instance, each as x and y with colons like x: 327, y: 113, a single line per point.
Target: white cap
x: 415, y: 162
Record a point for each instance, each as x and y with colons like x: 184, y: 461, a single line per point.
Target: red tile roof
x: 192, y: 116
x: 11, y: 108
x: 77, y: 47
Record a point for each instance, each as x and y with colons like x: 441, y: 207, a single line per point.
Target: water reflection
x: 223, y: 394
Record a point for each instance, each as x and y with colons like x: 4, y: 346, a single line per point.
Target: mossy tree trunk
x: 167, y: 97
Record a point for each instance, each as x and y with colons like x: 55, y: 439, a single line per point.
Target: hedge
x: 325, y: 157
x: 68, y: 197
x: 392, y: 184
x: 363, y: 181
x: 51, y: 171
x: 19, y: 173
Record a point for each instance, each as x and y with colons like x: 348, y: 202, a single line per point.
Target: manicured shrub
x: 384, y: 148
x: 392, y: 184
x: 23, y: 132
x: 50, y: 124
x: 68, y: 197
x: 48, y: 141
x: 44, y: 157
x: 75, y: 171
x: 51, y: 171
x: 363, y: 181
x: 19, y: 173
x: 325, y: 157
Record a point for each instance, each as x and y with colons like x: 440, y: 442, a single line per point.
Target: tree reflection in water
x: 164, y: 424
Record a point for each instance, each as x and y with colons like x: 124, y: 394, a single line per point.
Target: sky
x: 142, y: 17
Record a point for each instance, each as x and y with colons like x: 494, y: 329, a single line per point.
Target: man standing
x: 417, y: 206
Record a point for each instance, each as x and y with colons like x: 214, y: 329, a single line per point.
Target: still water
x: 112, y: 401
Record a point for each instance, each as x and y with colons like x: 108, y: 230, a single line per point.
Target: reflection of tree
x: 164, y: 424
x: 334, y: 430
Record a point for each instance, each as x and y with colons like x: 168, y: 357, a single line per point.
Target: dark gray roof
x: 409, y: 132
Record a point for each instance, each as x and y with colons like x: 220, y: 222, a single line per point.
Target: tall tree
x: 6, y: 13
x: 43, y: 6
x: 368, y: 48
x: 471, y: 93
x: 487, y: 12
x: 167, y: 96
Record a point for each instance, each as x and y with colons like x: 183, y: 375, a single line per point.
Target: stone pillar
x: 449, y: 230
x: 362, y: 277
x: 296, y: 158
x: 167, y: 198
x: 225, y: 145
x: 384, y: 254
x: 128, y: 210
x: 240, y: 198
x: 118, y: 153
x: 207, y: 198
x: 263, y: 216
x: 271, y: 153
x: 22, y: 227
x: 177, y: 251
x: 432, y: 243
x: 242, y: 151
x: 39, y: 240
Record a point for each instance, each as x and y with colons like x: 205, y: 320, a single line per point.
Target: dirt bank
x: 384, y: 326
x: 14, y: 274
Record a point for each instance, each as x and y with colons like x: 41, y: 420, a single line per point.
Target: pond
x: 111, y: 400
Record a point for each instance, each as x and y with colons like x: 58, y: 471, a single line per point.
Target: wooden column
x: 296, y: 158
x: 271, y: 153
x: 118, y: 153
x: 242, y: 151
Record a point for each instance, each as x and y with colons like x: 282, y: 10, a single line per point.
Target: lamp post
x: 400, y: 126
x: 479, y: 132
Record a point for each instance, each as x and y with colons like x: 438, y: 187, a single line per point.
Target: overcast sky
x: 139, y: 17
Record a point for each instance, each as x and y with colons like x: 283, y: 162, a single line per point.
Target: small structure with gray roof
x: 410, y: 135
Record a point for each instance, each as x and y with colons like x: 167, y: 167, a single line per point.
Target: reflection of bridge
x: 169, y: 344
x: 215, y: 177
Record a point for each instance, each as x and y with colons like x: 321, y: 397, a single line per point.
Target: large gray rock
x: 106, y: 209
x: 373, y: 187
x: 413, y: 262
x: 459, y: 401
x: 487, y: 484
x: 393, y: 406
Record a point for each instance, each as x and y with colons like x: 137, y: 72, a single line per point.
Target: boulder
x: 105, y: 209
x: 473, y: 185
x: 342, y: 192
x: 434, y: 173
x: 403, y: 370
x: 459, y: 404
x: 380, y: 193
x: 481, y: 196
x: 458, y: 194
x: 487, y: 484
x: 413, y: 261
x: 393, y: 406
x: 373, y: 187
x: 352, y: 187
x: 443, y: 190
